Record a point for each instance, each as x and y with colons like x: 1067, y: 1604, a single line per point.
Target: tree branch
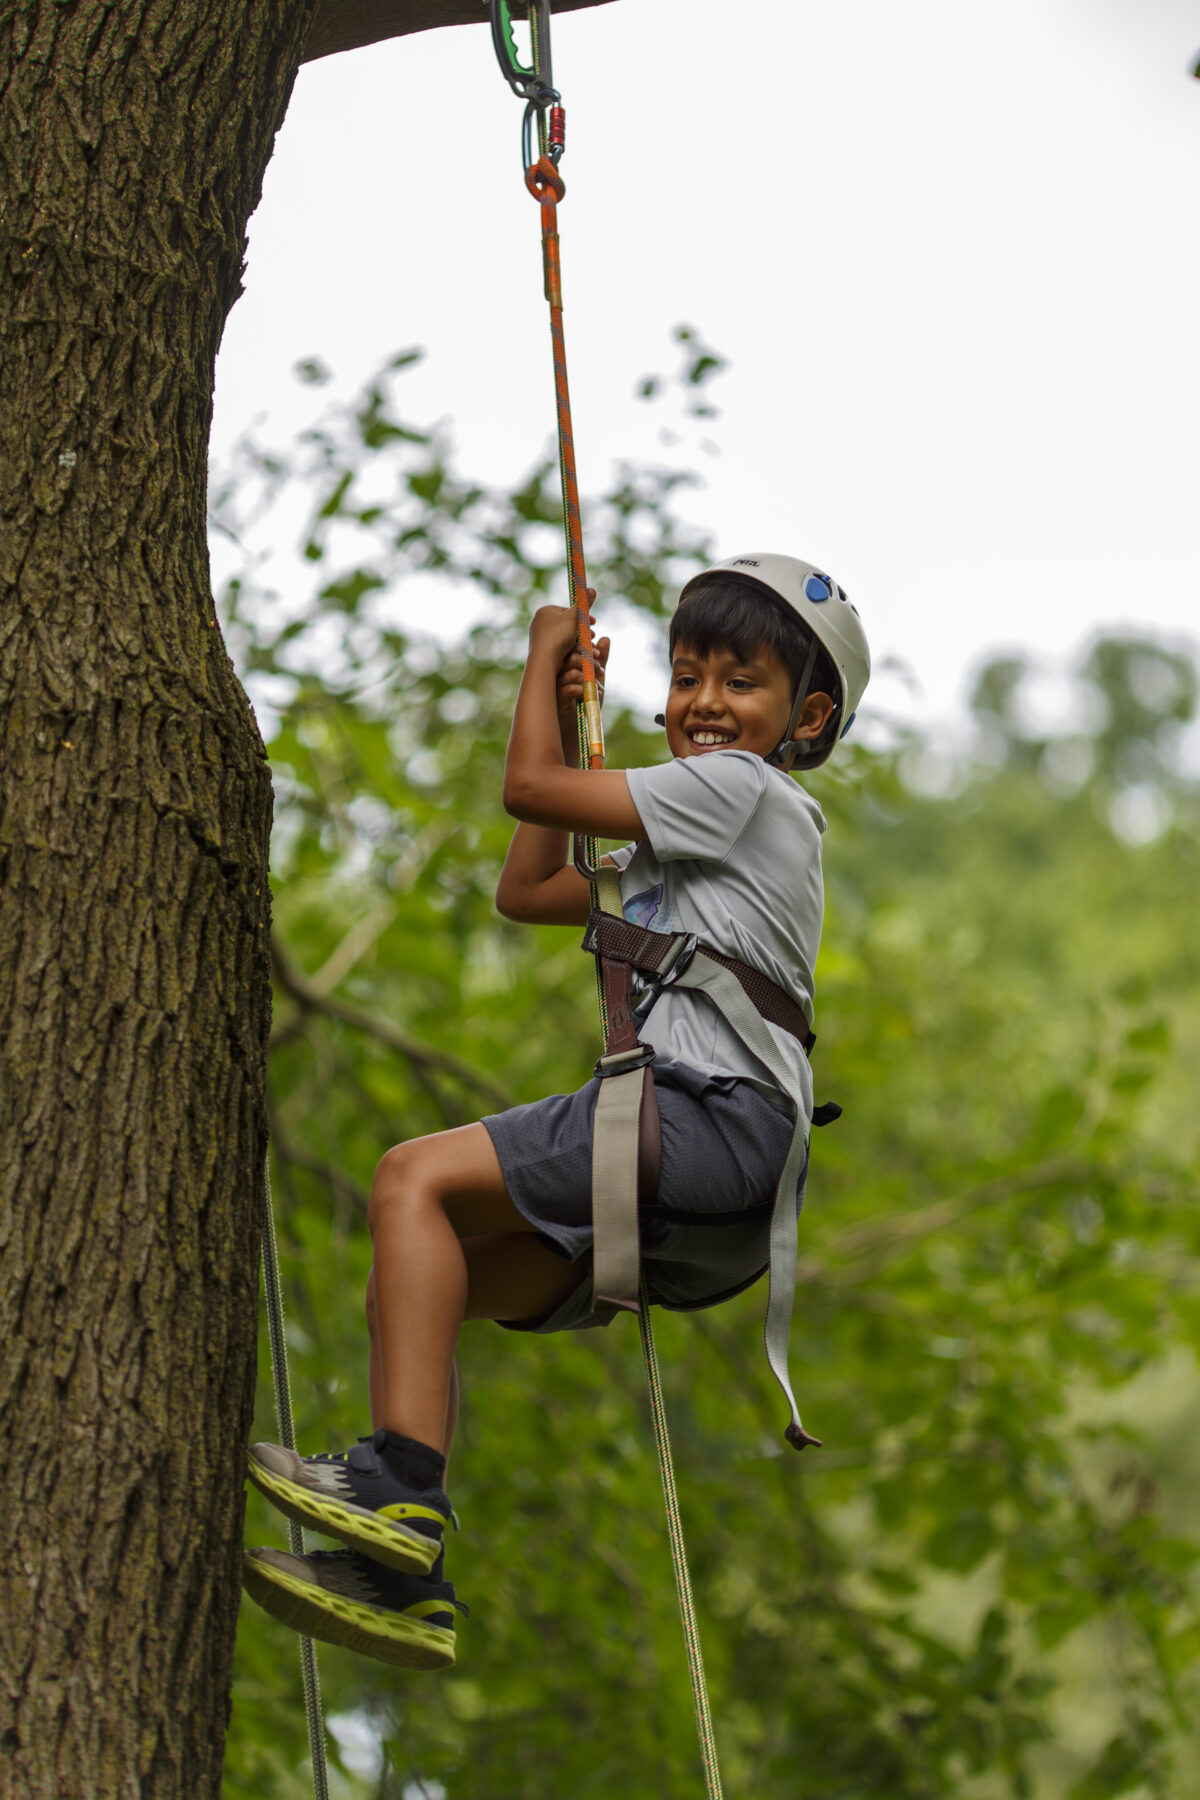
x: 402, y: 876
x: 422, y: 1056
x: 357, y: 941
x: 348, y: 24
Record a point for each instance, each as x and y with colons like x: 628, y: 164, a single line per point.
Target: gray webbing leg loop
x: 309, y: 1676
x: 616, y: 1251
x: 626, y: 1108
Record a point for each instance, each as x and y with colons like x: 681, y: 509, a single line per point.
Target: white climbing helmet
x: 833, y: 622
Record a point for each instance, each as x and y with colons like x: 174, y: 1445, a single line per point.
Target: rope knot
x: 544, y: 182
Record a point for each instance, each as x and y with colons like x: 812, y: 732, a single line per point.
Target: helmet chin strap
x: 785, y: 750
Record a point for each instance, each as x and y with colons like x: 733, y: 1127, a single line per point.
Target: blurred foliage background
x: 985, y: 1584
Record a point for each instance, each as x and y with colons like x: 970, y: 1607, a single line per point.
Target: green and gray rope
x: 666, y: 1466
x: 683, y: 1581
x: 309, y: 1676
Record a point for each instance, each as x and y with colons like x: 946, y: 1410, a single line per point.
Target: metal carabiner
x: 579, y: 856
x: 535, y: 84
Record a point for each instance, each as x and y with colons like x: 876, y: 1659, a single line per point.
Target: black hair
x: 723, y: 612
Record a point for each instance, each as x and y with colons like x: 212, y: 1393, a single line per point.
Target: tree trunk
x: 134, y: 816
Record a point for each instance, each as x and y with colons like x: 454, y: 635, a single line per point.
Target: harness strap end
x: 632, y: 1306
x: 826, y: 1114
x: 800, y: 1439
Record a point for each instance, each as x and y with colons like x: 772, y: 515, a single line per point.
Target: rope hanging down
x: 309, y: 1675
x: 548, y: 188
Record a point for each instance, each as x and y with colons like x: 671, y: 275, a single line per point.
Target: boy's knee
x: 402, y: 1175
x: 389, y: 1183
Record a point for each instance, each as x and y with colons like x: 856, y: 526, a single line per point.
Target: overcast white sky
x: 950, y: 251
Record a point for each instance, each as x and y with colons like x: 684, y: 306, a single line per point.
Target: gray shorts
x: 706, y: 1237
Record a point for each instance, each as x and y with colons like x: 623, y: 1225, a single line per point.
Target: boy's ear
x: 813, y: 718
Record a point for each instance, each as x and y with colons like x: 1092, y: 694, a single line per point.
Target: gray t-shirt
x: 732, y: 853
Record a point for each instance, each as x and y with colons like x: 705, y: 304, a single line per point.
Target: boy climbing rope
x: 721, y: 896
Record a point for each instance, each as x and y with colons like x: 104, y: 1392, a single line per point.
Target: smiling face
x: 722, y: 702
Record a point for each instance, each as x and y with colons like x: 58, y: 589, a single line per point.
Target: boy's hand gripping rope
x: 547, y: 187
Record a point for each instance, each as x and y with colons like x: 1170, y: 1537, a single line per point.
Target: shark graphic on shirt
x: 642, y: 909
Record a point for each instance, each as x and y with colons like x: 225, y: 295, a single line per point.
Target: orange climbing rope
x: 548, y: 187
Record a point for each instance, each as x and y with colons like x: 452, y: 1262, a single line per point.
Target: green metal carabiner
x: 536, y: 80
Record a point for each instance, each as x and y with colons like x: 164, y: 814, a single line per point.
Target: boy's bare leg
x: 428, y: 1196
x: 501, y: 1272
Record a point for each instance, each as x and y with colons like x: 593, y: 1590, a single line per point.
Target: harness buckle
x: 678, y: 961
x: 623, y: 1062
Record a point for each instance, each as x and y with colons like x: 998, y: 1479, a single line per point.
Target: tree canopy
x: 985, y: 1584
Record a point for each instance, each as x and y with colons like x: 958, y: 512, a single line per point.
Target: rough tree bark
x: 134, y: 817
x: 134, y: 986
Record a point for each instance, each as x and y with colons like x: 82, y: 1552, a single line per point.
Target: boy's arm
x: 539, y: 786
x: 537, y: 886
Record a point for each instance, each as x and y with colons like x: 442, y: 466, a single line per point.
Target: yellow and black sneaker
x: 343, y: 1598
x: 355, y: 1495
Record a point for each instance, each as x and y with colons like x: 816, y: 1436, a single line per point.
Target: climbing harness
x: 749, y: 1002
x: 309, y: 1674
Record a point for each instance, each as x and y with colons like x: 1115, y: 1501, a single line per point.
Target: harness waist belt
x: 650, y: 954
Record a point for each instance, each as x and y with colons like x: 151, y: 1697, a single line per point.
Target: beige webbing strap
x: 608, y: 890
x: 616, y: 1249
x: 616, y: 1245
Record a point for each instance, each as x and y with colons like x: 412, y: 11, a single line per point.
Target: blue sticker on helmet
x: 848, y: 724
x: 817, y: 587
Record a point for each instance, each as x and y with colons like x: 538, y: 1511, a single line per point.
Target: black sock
x: 416, y: 1465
